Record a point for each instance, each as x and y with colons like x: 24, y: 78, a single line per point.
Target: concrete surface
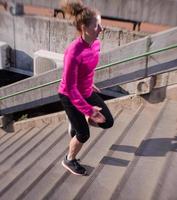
x: 4, y: 55
x: 134, y: 159
x: 28, y: 34
x: 112, y: 76
x: 153, y: 11
x: 46, y: 60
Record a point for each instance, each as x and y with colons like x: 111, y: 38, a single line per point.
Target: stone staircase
x: 134, y: 160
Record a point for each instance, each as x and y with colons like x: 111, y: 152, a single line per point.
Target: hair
x: 82, y: 14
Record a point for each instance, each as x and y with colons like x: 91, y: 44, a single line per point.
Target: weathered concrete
x: 4, y: 55
x: 164, y: 60
x: 160, y: 86
x: 148, y: 84
x: 31, y: 34
x: 42, y: 95
x: 62, y: 34
x: 150, y: 65
x: 7, y: 29
x: 28, y: 34
x: 124, y: 72
x: 129, y: 161
x: 132, y: 101
x: 112, y: 76
x: 142, y: 86
x: 153, y: 11
x: 46, y: 60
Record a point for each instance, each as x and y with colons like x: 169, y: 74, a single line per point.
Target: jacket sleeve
x: 71, y: 76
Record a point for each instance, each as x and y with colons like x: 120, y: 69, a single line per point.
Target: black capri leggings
x: 78, y: 120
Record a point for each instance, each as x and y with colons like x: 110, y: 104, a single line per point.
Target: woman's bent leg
x: 96, y: 100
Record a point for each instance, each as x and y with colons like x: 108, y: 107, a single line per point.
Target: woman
x: 76, y: 90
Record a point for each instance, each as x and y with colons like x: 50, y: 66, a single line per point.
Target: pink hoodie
x: 80, y: 61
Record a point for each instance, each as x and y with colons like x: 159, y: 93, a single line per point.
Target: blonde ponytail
x: 72, y: 7
x: 81, y: 13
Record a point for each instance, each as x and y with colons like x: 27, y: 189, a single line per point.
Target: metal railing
x: 97, y: 69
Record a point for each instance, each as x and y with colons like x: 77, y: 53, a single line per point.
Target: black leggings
x: 78, y: 120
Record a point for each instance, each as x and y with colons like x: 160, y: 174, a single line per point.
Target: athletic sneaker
x: 71, y: 130
x: 74, y: 167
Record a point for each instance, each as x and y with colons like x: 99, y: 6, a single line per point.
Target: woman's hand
x: 97, y: 116
x: 96, y: 89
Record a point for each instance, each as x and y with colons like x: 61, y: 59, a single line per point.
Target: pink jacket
x: 80, y: 61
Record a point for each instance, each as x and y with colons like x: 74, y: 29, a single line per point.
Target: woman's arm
x: 71, y: 66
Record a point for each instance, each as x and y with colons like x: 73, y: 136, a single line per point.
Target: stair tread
x: 40, y: 168
x: 25, y: 164
x: 53, y: 176
x: 168, y: 181
x: 9, y: 138
x: 150, y: 159
x: 141, y: 144
x: 12, y: 156
x: 114, y: 164
x: 91, y: 158
x: 10, y: 147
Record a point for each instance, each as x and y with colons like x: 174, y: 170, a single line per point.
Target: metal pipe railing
x: 98, y: 68
x: 139, y: 56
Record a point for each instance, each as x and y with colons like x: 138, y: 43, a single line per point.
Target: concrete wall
x: 41, y: 3
x: 31, y: 34
x: 164, y: 60
x: 153, y: 11
x: 46, y: 60
x: 126, y: 71
x: 114, y: 75
x: 4, y: 51
x: 33, y: 98
x: 28, y: 34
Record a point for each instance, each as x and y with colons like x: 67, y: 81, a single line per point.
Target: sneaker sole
x: 66, y: 167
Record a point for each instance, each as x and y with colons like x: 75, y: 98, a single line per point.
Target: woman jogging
x: 77, y: 91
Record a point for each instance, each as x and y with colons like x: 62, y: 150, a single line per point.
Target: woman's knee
x: 108, y: 124
x: 83, y: 137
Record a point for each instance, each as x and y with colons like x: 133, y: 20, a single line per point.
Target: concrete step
x: 12, y: 146
x: 40, y: 167
x: 45, y: 184
x: 115, y: 162
x: 2, y: 132
x: 10, y: 177
x: 68, y: 186
x: 135, y: 159
x: 3, y: 135
x: 11, y: 137
x: 144, y: 175
x: 168, y: 181
x: 17, y: 152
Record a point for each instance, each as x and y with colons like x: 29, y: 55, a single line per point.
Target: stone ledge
x: 46, y: 60
x: 122, y: 102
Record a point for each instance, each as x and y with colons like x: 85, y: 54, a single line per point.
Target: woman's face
x: 92, y: 31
